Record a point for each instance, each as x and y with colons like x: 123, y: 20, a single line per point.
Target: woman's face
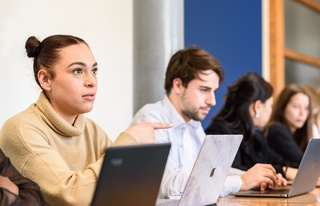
x: 297, y: 111
x: 265, y: 113
x: 74, y: 86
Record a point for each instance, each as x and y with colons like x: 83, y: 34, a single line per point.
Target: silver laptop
x: 305, y: 180
x: 131, y: 175
x: 209, y: 171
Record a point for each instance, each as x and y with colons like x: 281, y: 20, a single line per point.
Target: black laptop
x: 131, y: 175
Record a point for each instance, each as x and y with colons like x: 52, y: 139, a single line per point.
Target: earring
x: 257, y: 114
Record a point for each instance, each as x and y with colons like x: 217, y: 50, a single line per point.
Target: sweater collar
x: 56, y: 122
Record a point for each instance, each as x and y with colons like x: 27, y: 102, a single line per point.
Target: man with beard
x: 192, y: 77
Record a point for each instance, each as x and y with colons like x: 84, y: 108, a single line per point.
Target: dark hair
x: 186, y: 64
x: 241, y: 94
x: 46, y: 53
x: 303, y: 134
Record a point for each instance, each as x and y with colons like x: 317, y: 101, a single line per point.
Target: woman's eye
x: 95, y: 71
x: 77, y: 71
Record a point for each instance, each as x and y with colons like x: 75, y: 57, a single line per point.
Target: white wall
x: 106, y: 25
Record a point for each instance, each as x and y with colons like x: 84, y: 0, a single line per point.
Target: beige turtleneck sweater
x: 64, y: 160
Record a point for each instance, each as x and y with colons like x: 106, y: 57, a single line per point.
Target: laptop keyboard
x: 275, y: 191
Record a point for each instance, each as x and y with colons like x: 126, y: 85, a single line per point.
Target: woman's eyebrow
x: 82, y: 64
x: 77, y: 63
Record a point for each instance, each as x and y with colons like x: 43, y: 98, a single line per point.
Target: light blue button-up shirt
x: 175, y: 178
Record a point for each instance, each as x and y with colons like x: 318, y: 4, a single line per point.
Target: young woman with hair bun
x: 52, y: 142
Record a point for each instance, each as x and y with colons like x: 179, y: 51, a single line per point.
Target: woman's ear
x: 257, y: 108
x: 177, y: 86
x: 44, y: 80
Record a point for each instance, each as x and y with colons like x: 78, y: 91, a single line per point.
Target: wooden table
x: 311, y: 198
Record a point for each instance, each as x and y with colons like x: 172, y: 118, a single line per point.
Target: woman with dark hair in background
x: 248, y: 105
x: 290, y: 127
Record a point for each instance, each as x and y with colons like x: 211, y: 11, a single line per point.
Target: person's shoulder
x: 218, y: 124
x: 259, y: 135
x: 278, y: 126
x: 150, y: 113
x: 94, y: 128
x: 20, y: 129
x: 91, y: 124
x: 151, y: 107
x: 21, y: 119
x: 218, y: 127
x: 277, y: 130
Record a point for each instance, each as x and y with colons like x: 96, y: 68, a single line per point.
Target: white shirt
x: 178, y: 167
x: 190, y: 152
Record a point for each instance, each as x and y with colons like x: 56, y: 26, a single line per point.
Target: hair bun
x: 32, y: 46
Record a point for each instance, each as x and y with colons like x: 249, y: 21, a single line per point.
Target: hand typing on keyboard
x: 262, y: 176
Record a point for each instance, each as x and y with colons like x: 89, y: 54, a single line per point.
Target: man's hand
x: 144, y: 132
x: 263, y: 176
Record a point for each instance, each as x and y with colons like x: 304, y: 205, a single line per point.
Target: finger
x: 281, y: 180
x: 270, y: 168
x: 266, y: 169
x: 274, y: 180
x: 263, y: 186
x: 269, y: 173
x: 160, y: 125
x: 268, y: 181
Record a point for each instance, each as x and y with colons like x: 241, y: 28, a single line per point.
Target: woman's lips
x: 89, y: 97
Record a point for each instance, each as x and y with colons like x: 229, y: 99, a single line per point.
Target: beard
x: 193, y: 114
x: 191, y: 111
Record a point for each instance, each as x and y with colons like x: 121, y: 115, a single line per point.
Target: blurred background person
x: 290, y: 125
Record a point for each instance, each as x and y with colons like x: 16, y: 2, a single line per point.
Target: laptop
x: 289, y: 182
x: 305, y: 180
x: 131, y: 175
x: 209, y: 171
